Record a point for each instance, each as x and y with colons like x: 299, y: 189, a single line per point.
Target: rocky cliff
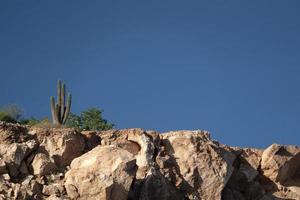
x: 37, y: 163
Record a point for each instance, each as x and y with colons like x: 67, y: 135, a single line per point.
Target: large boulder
x: 280, y: 163
x: 142, y: 144
x: 197, y: 166
x: 106, y: 172
x: 149, y: 183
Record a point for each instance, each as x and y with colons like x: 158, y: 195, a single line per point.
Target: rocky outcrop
x: 280, y: 163
x: 60, y: 145
x: 194, y: 164
x: 15, y: 147
x: 49, y: 163
x: 106, y: 172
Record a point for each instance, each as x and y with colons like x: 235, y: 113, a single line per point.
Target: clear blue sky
x: 229, y: 67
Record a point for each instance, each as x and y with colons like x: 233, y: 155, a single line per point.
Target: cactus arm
x: 59, y: 98
x: 57, y: 116
x: 53, y: 110
x: 67, y: 108
x: 62, y: 96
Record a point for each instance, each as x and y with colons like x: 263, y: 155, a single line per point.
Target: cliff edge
x: 49, y: 163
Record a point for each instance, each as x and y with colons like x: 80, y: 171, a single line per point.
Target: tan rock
x: 243, y: 182
x: 106, y: 172
x: 142, y: 144
x: 43, y: 165
x: 5, y: 185
x: 13, y: 133
x: 62, y: 145
x: 14, y: 154
x: 19, y: 191
x: 53, y: 189
x: 194, y: 164
x: 176, y: 165
x: 250, y: 163
x: 280, y: 163
x: 92, y: 139
x: 290, y: 193
x: 31, y: 186
x: 5, y: 177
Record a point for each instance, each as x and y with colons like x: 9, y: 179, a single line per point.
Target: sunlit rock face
x: 106, y: 172
x: 49, y: 163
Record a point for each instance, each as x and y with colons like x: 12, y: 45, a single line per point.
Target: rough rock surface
x: 195, y: 164
x: 280, y: 163
x: 61, y: 145
x: 134, y: 164
x: 106, y: 172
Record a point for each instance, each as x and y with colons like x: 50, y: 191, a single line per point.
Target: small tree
x: 92, y: 120
x: 74, y: 121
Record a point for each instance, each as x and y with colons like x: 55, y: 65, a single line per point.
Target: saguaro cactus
x: 60, y: 111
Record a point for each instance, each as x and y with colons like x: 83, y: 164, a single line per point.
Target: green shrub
x: 74, y: 121
x: 11, y: 113
x: 90, y: 119
x: 6, y: 117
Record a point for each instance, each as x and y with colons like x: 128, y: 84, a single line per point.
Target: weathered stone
x: 194, y: 164
x: 5, y: 185
x: 5, y: 177
x: 280, y: 163
x: 42, y: 165
x: 13, y: 133
x: 249, y: 163
x: 91, y: 138
x: 54, y: 189
x: 20, y: 192
x: 14, y: 154
x: 31, y: 186
x: 103, y: 173
x: 62, y: 145
x: 142, y: 144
